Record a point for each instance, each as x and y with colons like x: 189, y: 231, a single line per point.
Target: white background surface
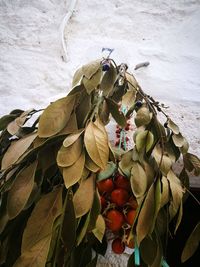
x: 164, y: 32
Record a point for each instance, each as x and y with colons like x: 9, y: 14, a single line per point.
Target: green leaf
x: 171, y: 125
x: 143, y: 117
x: 69, y: 155
x: 109, y: 170
x: 21, y: 190
x: 118, y: 116
x: 138, y: 180
x: 40, y: 223
x: 73, y: 173
x: 55, y: 116
x: 83, y: 198
x: 191, y: 244
x: 68, y: 230
x: 16, y: 150
x: 100, y: 228
x: 96, y: 143
x: 108, y: 80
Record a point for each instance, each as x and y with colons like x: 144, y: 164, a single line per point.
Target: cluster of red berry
x: 119, y: 210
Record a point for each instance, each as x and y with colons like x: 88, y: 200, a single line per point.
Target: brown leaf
x: 165, y: 196
x: 92, y: 83
x: 68, y: 155
x: 192, y: 244
x: 35, y: 256
x: 70, y: 139
x: 163, y: 161
x: 171, y: 125
x: 83, y: 198
x: 41, y: 220
x: 73, y: 173
x: 90, y: 165
x: 96, y: 143
x: 116, y: 113
x: 108, y: 80
x: 55, y: 116
x: 21, y: 190
x: 16, y: 149
x: 126, y: 163
x: 138, y: 180
x: 178, y: 140
x: 100, y: 228
x: 132, y: 83
x: 146, y: 215
x: 143, y: 117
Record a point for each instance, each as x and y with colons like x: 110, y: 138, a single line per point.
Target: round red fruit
x: 119, y: 196
x: 105, y: 186
x: 133, y: 203
x: 114, y: 220
x: 103, y: 202
x: 118, y: 246
x: 130, y: 216
x: 122, y: 182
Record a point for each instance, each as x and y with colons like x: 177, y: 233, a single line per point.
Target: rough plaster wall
x: 165, y: 33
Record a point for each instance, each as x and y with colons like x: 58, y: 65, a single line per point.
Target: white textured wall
x: 164, y: 32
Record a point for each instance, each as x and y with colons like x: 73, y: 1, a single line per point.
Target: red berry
x: 118, y: 246
x: 105, y: 186
x: 103, y: 202
x: 133, y: 202
x: 130, y: 216
x: 114, y: 220
x: 117, y: 142
x: 119, y: 196
x: 122, y: 182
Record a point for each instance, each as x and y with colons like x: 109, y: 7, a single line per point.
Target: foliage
x: 50, y: 209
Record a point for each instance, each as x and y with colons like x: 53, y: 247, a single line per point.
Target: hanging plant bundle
x: 64, y: 185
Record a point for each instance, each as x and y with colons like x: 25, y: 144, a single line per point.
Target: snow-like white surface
x: 164, y: 32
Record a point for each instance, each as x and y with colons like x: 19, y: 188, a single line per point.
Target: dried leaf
x: 165, y: 196
x: 129, y: 98
x: 36, y: 255
x: 171, y: 125
x: 109, y: 170
x: 68, y: 155
x: 185, y: 147
x: 140, y: 140
x: 83, y: 109
x: 5, y: 120
x: 90, y: 165
x: 73, y: 173
x: 118, y: 116
x: 55, y: 116
x: 146, y: 215
x: 163, y: 161
x: 178, y: 140
x: 92, y: 83
x: 126, y: 163
x: 108, y: 80
x: 68, y: 232
x: 83, y: 198
x: 192, y: 162
x: 149, y: 141
x: 148, y: 249
x: 83, y: 229
x: 143, y: 117
x: 70, y: 139
x: 180, y: 215
x: 191, y: 244
x: 16, y: 149
x: 100, y: 228
x: 132, y: 83
x: 40, y: 223
x: 96, y: 143
x: 138, y: 180
x: 21, y: 190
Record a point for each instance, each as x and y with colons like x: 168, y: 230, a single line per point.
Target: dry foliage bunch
x: 50, y: 209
